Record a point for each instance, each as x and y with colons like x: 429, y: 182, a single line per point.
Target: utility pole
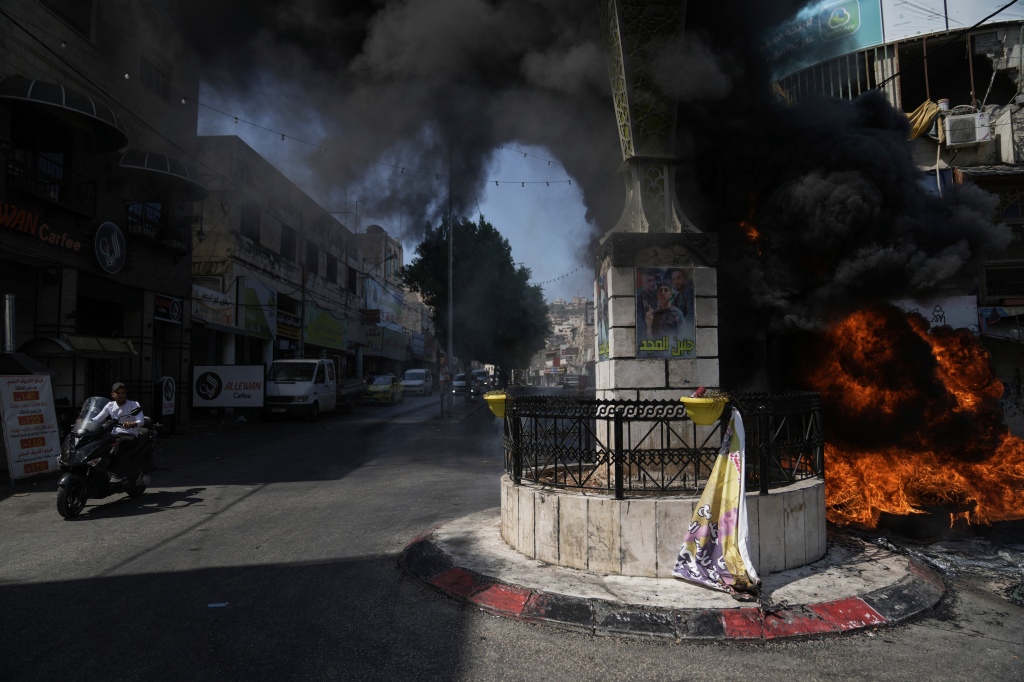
x: 451, y: 283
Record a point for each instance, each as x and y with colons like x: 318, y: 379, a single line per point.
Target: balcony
x: 147, y: 221
x: 55, y: 185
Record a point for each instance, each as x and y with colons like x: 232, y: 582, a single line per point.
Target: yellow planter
x: 496, y: 401
x: 703, y: 411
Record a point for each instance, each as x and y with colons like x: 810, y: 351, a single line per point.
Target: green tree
x: 500, y: 318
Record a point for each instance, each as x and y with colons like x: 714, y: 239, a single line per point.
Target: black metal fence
x: 650, y: 447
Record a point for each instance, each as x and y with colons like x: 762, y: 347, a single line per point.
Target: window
x: 312, y: 258
x: 352, y: 286
x: 332, y: 269
x: 288, y: 242
x: 251, y: 221
x: 1004, y: 282
x: 154, y: 78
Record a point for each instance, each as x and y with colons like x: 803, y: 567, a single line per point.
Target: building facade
x: 99, y: 196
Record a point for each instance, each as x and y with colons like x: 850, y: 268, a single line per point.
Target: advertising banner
x: 212, y: 306
x: 288, y: 326
x: 909, y: 18
x: 324, y: 327
x: 601, y: 310
x: 259, y: 309
x: 228, y: 386
x: 959, y: 312
x: 967, y: 13
x: 664, y: 313
x: 416, y: 342
x: 386, y: 343
x: 388, y: 302
x: 822, y: 31
x: 30, y: 430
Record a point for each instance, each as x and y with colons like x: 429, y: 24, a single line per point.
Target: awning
x: 72, y: 345
x: 95, y: 116
x: 167, y: 169
x: 20, y: 364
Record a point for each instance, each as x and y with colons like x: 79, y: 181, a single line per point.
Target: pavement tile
x: 559, y: 609
x: 610, y: 617
x: 742, y: 623
x: 702, y: 624
x: 502, y: 599
x: 906, y: 599
x: 460, y: 583
x: 794, y: 623
x: 851, y: 613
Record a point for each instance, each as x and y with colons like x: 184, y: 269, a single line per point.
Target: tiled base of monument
x: 641, y: 537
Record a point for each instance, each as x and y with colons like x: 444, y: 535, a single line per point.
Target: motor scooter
x: 86, y: 455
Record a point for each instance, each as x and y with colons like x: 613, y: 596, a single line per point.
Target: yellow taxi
x: 385, y: 388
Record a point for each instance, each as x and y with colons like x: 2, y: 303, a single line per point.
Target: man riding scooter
x: 127, y: 432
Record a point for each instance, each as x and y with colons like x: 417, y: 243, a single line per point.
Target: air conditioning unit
x: 963, y: 130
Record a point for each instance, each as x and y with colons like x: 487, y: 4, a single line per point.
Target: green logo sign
x: 839, y: 20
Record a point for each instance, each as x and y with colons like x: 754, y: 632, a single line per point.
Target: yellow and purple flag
x: 714, y: 551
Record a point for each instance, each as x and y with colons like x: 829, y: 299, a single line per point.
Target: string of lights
x: 568, y: 274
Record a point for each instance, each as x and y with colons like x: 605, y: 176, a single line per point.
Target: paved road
x: 269, y: 551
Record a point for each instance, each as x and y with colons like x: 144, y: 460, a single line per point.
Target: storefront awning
x: 107, y: 130
x: 72, y: 345
x: 167, y: 169
x: 20, y: 364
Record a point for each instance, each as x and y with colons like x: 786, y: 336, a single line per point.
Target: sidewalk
x: 856, y: 586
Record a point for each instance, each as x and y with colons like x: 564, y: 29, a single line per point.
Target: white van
x: 305, y: 387
x: 418, y: 381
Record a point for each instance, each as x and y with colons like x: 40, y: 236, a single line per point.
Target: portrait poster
x: 664, y: 313
x: 601, y: 316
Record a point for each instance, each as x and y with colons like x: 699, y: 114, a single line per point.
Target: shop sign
x: 324, y: 328
x: 29, y: 424
x: 288, y: 326
x: 168, y: 392
x: 110, y: 248
x: 167, y: 308
x: 212, y: 306
x: 227, y: 386
x: 386, y: 342
x: 23, y: 220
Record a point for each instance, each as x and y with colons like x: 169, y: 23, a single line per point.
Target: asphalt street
x: 270, y: 551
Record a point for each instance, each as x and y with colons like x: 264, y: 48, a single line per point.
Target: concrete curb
x: 916, y: 592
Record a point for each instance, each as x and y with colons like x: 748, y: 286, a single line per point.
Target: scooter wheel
x: 71, y: 498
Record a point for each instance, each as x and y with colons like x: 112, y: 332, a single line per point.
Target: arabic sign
x: 29, y: 424
x: 385, y: 342
x: 288, y: 325
x: 664, y: 313
x: 227, y: 386
x: 212, y: 306
x: 110, y: 248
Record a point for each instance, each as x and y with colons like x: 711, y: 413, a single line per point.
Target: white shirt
x: 122, y: 413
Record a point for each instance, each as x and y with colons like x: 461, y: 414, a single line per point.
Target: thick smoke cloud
x: 399, y: 92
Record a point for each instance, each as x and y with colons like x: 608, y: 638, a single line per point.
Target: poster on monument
x: 664, y: 313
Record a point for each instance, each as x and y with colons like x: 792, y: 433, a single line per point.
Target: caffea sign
x: 110, y: 248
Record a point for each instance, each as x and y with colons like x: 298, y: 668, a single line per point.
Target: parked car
x: 459, y: 384
x: 574, y: 381
x: 418, y: 381
x: 385, y: 388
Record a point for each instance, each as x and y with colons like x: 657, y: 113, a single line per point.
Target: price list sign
x: 31, y: 438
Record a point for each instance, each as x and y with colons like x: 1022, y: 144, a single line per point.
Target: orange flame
x: 914, y: 434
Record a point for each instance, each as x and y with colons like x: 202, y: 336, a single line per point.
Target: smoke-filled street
x: 270, y: 551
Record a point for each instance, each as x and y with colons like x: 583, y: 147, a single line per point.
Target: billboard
x: 228, y: 385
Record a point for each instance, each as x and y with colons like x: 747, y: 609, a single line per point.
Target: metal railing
x: 53, y: 183
x: 637, y: 448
